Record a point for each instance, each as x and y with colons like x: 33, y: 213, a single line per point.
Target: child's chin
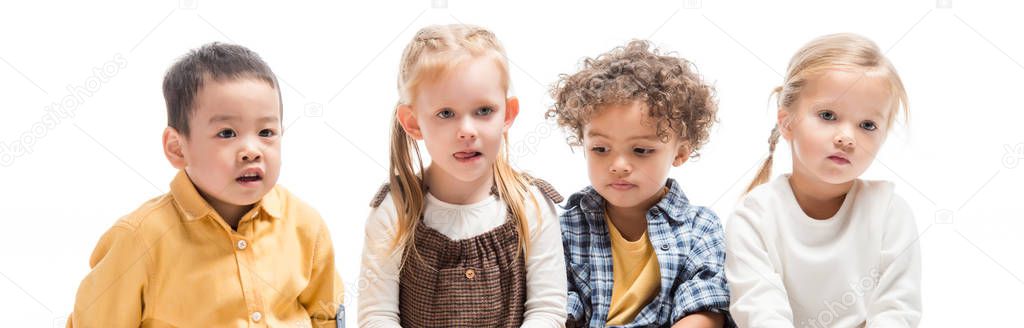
x: 838, y: 177
x: 466, y: 174
x: 617, y: 199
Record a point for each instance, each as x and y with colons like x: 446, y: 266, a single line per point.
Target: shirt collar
x: 195, y: 207
x: 674, y: 203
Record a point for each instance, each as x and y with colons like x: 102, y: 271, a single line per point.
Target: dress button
x: 664, y: 247
x: 242, y: 245
x: 256, y: 316
x: 470, y: 274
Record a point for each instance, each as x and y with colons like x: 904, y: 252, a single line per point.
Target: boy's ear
x: 172, y: 148
x: 511, y: 112
x: 783, y: 123
x: 682, y: 154
x: 407, y: 118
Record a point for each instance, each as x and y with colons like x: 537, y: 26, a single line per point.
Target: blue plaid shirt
x: 689, y: 245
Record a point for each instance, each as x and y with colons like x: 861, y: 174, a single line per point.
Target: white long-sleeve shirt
x: 862, y: 267
x: 545, y: 264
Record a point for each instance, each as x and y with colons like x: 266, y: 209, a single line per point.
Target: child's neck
x: 231, y: 214
x: 632, y: 221
x: 818, y: 199
x: 448, y: 189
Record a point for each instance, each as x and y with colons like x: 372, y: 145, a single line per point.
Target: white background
x: 956, y: 161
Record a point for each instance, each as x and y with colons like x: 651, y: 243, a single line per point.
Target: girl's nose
x: 467, y: 131
x: 843, y: 141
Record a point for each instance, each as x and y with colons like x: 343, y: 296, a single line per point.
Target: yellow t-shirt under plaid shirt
x: 636, y: 273
x: 175, y: 263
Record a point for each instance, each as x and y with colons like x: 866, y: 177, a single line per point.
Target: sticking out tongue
x: 466, y: 154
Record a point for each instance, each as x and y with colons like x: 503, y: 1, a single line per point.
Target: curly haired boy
x: 637, y: 253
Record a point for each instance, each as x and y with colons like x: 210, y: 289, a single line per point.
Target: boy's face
x: 233, y: 151
x: 461, y: 117
x: 837, y: 125
x: 627, y: 162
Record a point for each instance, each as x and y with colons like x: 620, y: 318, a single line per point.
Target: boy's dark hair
x: 216, y: 61
x: 677, y: 100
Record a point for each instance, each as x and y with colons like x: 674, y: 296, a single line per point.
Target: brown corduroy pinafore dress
x: 474, y: 282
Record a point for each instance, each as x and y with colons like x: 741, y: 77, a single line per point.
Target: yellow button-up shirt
x: 175, y: 263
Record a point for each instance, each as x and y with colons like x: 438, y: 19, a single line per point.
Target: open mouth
x: 467, y: 155
x: 249, y: 177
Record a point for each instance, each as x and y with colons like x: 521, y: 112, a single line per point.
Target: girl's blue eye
x: 643, y: 151
x: 267, y: 133
x: 827, y: 115
x: 446, y: 113
x: 226, y: 133
x: 868, y: 125
x: 484, y: 111
x: 599, y: 149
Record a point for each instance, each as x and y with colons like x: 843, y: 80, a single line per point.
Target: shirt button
x: 655, y: 212
x: 256, y: 316
x: 665, y: 247
x: 242, y: 245
x: 470, y: 274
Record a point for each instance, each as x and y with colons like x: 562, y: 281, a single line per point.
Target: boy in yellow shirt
x: 225, y: 247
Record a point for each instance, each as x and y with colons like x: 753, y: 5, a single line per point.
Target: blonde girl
x: 820, y: 247
x: 467, y: 241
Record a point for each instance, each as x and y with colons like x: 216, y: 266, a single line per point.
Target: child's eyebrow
x: 223, y: 118
x: 651, y: 137
x: 594, y: 133
x: 233, y: 118
x: 268, y: 119
x: 878, y: 113
x: 476, y: 105
x: 823, y: 104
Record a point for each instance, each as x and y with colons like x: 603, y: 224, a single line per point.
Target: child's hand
x: 701, y: 319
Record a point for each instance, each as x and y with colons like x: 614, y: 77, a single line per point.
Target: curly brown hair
x: 677, y: 100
